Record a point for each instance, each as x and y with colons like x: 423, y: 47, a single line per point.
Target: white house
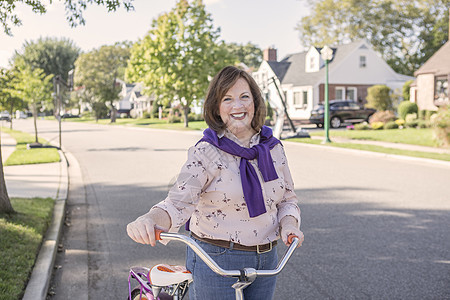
x: 301, y: 77
x: 132, y: 102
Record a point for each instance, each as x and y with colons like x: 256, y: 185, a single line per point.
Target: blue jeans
x: 209, y: 285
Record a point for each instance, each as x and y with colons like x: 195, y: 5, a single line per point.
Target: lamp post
x: 326, y: 54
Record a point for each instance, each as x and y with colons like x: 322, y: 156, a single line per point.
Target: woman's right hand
x: 142, y: 230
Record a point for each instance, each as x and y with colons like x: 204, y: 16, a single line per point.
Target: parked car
x: 341, y: 111
x: 69, y: 116
x: 4, y: 116
x: 21, y: 115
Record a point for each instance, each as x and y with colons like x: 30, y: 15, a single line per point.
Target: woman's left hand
x: 289, y: 225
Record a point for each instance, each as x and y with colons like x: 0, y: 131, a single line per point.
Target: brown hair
x: 219, y: 86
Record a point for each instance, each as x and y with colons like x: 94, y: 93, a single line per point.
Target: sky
x: 266, y: 23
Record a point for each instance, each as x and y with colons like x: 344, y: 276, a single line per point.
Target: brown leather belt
x: 230, y: 245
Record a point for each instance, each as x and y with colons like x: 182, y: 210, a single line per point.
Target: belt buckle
x: 262, y: 252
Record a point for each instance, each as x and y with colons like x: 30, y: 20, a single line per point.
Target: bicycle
x: 163, y: 281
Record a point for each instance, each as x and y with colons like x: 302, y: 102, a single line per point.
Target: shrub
x: 147, y: 115
x: 382, y: 116
x: 429, y: 114
x: 362, y: 126
x: 405, y: 108
x: 391, y: 125
x: 379, y: 97
x: 423, y: 124
x: 194, y: 117
x: 412, y: 123
x: 174, y: 119
x: 400, y: 122
x: 441, y: 125
x: 377, y: 125
x: 410, y: 117
x: 405, y: 89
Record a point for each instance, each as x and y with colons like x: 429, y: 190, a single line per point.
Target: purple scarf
x: 249, y: 178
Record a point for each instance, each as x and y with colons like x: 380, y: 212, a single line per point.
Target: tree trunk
x: 12, y: 109
x: 5, y: 203
x: 113, y: 113
x: 186, y: 113
x: 35, y: 123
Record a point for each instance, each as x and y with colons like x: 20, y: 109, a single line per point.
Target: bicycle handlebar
x: 215, y: 267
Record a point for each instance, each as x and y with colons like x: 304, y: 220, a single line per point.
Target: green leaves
x: 74, y: 10
x: 178, y: 54
x: 97, y: 72
x: 405, y: 33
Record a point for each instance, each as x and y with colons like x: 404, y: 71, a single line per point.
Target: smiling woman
x: 235, y: 192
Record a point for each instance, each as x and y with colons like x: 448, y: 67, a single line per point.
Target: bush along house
x: 299, y: 78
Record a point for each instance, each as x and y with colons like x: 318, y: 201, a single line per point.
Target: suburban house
x: 300, y: 77
x: 430, y: 89
x: 132, y: 102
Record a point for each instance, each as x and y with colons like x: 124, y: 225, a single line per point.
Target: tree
x: 5, y: 202
x: 8, y: 101
x: 178, y: 55
x: 249, y: 54
x: 35, y: 88
x: 54, y: 56
x: 74, y: 10
x: 405, y: 33
x: 379, y: 97
x: 97, y: 71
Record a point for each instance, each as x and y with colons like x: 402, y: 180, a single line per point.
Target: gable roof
x: 291, y: 69
x: 279, y: 68
x: 438, y: 63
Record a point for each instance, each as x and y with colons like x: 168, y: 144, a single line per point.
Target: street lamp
x: 326, y: 54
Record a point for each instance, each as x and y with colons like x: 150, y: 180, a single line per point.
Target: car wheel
x: 320, y: 125
x: 335, y: 122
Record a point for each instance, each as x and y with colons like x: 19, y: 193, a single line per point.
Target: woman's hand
x: 142, y: 230
x: 289, y: 225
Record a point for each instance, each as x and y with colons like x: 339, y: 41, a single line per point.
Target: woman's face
x: 237, y: 109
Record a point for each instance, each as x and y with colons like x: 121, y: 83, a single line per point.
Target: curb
x: 37, y: 287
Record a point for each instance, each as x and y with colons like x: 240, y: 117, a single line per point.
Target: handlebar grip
x: 158, y: 234
x: 291, y: 238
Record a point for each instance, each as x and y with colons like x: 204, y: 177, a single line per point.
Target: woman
x: 235, y: 191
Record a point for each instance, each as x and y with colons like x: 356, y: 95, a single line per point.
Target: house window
x: 362, y: 61
x: 441, y: 91
x: 297, y: 98
x: 305, y: 98
x: 350, y: 93
x: 312, y: 63
x: 340, y: 93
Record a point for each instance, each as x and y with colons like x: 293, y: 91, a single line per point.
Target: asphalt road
x: 375, y: 227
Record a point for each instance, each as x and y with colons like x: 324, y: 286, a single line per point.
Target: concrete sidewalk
x: 43, y: 181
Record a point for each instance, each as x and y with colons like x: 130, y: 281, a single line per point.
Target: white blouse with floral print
x: 209, y: 191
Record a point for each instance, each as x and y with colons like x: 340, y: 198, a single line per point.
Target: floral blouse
x: 209, y: 191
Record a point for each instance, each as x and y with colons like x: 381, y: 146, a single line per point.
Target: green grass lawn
x: 22, y: 155
x: 413, y: 136
x: 374, y: 148
x: 20, y: 239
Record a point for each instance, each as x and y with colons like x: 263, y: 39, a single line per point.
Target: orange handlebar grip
x: 158, y: 234
x: 291, y: 238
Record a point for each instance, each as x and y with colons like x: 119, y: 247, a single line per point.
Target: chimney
x: 270, y: 54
